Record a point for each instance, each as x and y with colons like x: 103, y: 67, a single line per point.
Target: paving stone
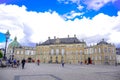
x: 57, y: 72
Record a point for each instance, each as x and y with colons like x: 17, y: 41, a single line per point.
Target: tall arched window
x: 52, y: 51
x: 99, y: 50
x: 57, y: 52
x: 63, y: 51
x: 81, y: 52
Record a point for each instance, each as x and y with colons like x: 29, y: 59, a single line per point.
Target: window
x: 110, y: 58
x: 17, y: 52
x: 109, y: 50
x: 32, y: 53
x: 27, y: 52
x: 99, y: 57
x: 90, y: 51
x: 113, y: 50
x: 81, y: 52
x: 95, y: 57
x: 99, y: 50
x: 21, y: 52
x: 57, y: 52
x: 95, y: 51
x: 52, y: 51
x: 105, y: 50
x: 62, y: 52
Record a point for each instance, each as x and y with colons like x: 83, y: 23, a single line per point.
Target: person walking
x: 14, y: 63
x: 38, y: 62
x: 62, y: 64
x: 23, y: 63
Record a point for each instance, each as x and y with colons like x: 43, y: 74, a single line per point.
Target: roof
x: 14, y: 43
x: 102, y: 42
x: 118, y: 51
x: 72, y: 40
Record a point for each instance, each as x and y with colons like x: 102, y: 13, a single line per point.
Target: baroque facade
x: 69, y: 50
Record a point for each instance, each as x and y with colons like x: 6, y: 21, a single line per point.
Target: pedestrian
x: 14, y: 63
x: 23, y: 63
x: 81, y: 62
x: 62, y: 64
x: 115, y: 63
x: 38, y: 62
x: 18, y: 63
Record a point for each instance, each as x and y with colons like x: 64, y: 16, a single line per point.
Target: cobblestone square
x: 56, y: 72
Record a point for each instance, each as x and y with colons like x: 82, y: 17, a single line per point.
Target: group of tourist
x: 14, y: 63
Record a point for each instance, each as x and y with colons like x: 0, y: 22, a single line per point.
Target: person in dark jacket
x: 23, y: 63
x: 62, y: 64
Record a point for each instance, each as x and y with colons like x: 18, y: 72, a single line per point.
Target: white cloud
x: 68, y: 1
x: 91, y: 4
x: 71, y: 15
x: 97, y: 4
x: 80, y: 7
x: 34, y: 27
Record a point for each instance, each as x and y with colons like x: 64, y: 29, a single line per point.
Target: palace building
x: 68, y: 50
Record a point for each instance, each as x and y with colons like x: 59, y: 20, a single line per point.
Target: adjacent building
x: 102, y: 53
x: 17, y: 51
x: 118, y: 55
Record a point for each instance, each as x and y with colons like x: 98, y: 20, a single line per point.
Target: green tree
x: 1, y: 54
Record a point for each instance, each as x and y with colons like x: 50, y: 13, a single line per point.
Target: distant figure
x: 115, y: 63
x: 18, y: 63
x: 14, y: 63
x: 23, y: 63
x: 81, y: 62
x: 62, y: 64
x: 85, y: 61
x: 38, y: 62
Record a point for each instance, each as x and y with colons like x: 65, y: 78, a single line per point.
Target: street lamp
x: 7, y: 35
x: 13, y: 53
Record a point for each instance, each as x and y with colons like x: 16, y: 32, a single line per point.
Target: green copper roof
x: 14, y: 43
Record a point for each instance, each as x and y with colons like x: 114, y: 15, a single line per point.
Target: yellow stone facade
x: 16, y: 51
x: 69, y: 53
x: 102, y: 53
x: 76, y: 52
x: 27, y: 53
x: 69, y: 50
x: 57, y: 50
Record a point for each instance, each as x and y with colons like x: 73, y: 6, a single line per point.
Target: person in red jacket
x: 38, y: 62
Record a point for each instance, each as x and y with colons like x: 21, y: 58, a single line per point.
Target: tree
x: 1, y: 54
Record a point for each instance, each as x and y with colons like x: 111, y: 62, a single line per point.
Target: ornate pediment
x: 57, y: 41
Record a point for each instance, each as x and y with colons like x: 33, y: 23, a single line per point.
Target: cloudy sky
x: 33, y: 21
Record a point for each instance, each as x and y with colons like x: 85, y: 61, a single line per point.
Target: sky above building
x: 33, y: 21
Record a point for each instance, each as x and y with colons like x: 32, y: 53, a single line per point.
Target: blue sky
x: 28, y: 19
x: 64, y: 6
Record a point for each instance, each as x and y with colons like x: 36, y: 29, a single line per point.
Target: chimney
x: 68, y: 36
x: 74, y: 35
x: 54, y: 37
x: 48, y: 38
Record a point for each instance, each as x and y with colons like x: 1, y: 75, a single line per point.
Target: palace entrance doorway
x: 29, y: 59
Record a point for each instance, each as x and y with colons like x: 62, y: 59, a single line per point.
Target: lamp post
x: 7, y: 35
x: 13, y: 53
